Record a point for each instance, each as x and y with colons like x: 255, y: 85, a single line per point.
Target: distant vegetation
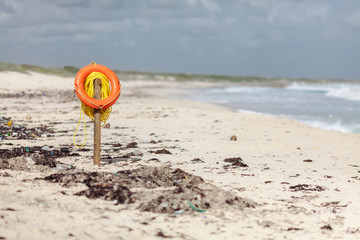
x: 67, y: 71
x: 70, y: 71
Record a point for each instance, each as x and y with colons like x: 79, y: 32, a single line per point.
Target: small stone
x: 233, y: 138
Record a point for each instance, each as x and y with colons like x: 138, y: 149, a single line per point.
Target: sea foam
x: 346, y: 91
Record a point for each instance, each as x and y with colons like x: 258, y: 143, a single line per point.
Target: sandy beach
x: 170, y: 168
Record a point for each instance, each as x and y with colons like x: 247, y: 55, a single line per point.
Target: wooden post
x: 97, y: 123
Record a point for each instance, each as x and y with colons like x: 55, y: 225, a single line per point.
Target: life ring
x: 97, y: 103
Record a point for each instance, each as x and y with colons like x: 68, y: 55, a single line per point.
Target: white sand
x: 274, y: 149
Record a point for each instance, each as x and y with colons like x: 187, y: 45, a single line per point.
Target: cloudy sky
x: 275, y: 38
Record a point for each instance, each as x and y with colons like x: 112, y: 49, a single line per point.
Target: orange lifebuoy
x: 97, y: 103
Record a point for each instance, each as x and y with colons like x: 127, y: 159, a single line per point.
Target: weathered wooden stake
x: 97, y: 123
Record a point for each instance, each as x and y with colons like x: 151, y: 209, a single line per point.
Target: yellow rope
x: 81, y: 115
x: 105, y: 92
x: 88, y: 111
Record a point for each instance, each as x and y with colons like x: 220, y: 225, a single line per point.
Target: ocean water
x: 332, y: 106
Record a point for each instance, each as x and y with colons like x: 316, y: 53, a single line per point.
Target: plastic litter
x: 195, y: 208
x: 45, y: 148
x: 179, y: 212
x: 265, y: 167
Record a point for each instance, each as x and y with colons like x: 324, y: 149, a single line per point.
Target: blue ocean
x: 330, y: 106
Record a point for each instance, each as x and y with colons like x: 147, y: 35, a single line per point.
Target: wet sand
x: 170, y: 168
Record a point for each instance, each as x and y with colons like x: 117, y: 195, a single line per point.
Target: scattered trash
x: 10, y: 131
x: 45, y: 148
x: 107, y: 125
x: 307, y: 160
x: 233, y: 138
x: 179, y: 212
x: 195, y: 208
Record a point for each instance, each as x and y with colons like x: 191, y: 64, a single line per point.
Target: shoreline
x: 299, y: 181
x: 337, y: 122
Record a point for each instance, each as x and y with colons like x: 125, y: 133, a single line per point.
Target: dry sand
x: 284, y: 180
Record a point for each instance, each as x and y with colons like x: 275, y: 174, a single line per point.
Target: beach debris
x: 117, y: 145
x: 334, y: 205
x: 356, y: 177
x: 160, y: 151
x: 107, y: 125
x: 45, y: 148
x: 109, y: 192
x: 233, y: 138
x: 265, y: 167
x: 327, y: 227
x: 267, y: 182
x: 307, y: 160
x: 306, y: 188
x: 153, y: 142
x: 195, y: 208
x: 284, y: 183
x: 161, y: 234
x: 197, y: 160
x: 137, y: 153
x: 28, y: 117
x: 235, y: 162
x: 265, y: 224
x: 247, y: 175
x: 132, y: 145
x: 9, y: 130
x: 153, y: 160
x: 145, y: 183
x: 294, y: 229
x: 36, y: 155
x: 179, y: 211
x: 65, y: 150
x: 5, y: 174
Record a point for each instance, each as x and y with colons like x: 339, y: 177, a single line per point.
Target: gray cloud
x: 247, y: 37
